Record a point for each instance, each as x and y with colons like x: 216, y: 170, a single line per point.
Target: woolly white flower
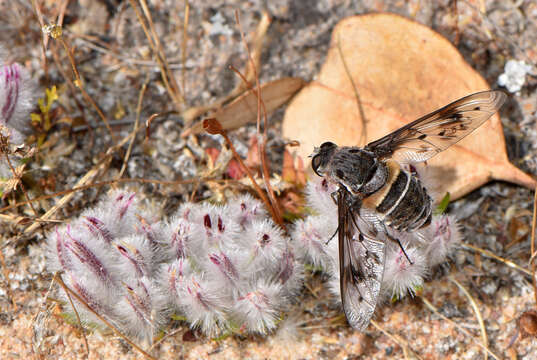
x: 138, y: 256
x: 444, y: 235
x: 116, y: 214
x: 400, y: 276
x: 17, y: 98
x: 257, y: 310
x: 204, y: 263
x: 204, y: 305
x: 140, y: 309
x: 310, y: 237
x: 290, y: 274
x: 245, y: 210
x: 319, y: 196
x: 180, y: 235
x: 262, y: 246
x: 223, y: 267
x: 214, y: 228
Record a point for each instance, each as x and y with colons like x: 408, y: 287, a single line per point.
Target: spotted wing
x: 361, y: 264
x: 427, y: 136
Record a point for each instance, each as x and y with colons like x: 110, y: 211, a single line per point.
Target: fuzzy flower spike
x: 16, y: 100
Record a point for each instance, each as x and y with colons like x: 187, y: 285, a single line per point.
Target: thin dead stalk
x: 135, y: 127
x: 55, y: 32
x: 477, y: 313
x: 276, y: 211
x: 183, y: 45
x: 109, y: 182
x: 533, y: 226
x: 496, y: 257
x: 8, y: 282
x: 407, y: 351
x: 167, y: 77
x: 460, y: 328
x: 212, y: 126
x: 76, y: 314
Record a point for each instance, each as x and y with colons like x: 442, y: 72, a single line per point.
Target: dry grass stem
x: 80, y: 84
x: 496, y: 257
x: 183, y: 45
x: 8, y: 282
x: 532, y: 242
x: 166, y: 75
x: 135, y: 127
x: 477, y: 313
x: 262, y: 144
x: 213, y: 127
x: 76, y: 314
x: 407, y: 351
x: 460, y: 328
x: 16, y: 219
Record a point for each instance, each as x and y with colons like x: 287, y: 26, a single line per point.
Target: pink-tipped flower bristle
x: 400, y: 276
x: 17, y: 98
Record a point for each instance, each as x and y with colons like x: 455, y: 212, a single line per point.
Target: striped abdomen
x: 403, y: 202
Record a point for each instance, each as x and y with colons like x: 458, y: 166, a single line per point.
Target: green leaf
x: 36, y: 118
x: 442, y: 206
x: 52, y: 95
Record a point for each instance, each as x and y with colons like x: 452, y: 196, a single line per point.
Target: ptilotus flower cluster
x: 233, y: 269
x: 316, y: 242
x: 17, y: 97
x: 223, y: 268
x: 110, y: 256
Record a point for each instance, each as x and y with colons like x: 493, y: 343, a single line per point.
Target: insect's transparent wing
x: 361, y: 265
x: 427, y: 136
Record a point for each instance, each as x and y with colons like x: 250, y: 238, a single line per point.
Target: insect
x: 377, y: 197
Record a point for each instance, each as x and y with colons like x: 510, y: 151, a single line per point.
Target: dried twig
x: 183, y: 45
x: 135, y: 127
x: 8, y: 282
x: 276, y: 211
x: 105, y: 183
x: 55, y: 31
x: 407, y: 350
x: 496, y: 257
x: 461, y: 329
x: 212, y: 126
x: 76, y: 314
x: 477, y: 313
x: 533, y: 226
x: 154, y: 43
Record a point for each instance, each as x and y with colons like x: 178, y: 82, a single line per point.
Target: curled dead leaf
x: 400, y: 70
x: 243, y: 109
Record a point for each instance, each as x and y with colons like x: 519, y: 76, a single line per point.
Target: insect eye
x: 315, y: 163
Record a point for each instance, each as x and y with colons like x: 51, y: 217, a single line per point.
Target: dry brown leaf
x: 243, y: 109
x: 401, y: 70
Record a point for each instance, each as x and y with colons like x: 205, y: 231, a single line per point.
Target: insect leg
x: 400, y: 245
x: 331, y: 237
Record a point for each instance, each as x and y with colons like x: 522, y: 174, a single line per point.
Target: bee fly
x: 376, y: 197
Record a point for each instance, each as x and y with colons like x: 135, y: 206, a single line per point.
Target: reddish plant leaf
x: 288, y: 167
x: 234, y: 170
x: 401, y: 70
x: 252, y: 159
